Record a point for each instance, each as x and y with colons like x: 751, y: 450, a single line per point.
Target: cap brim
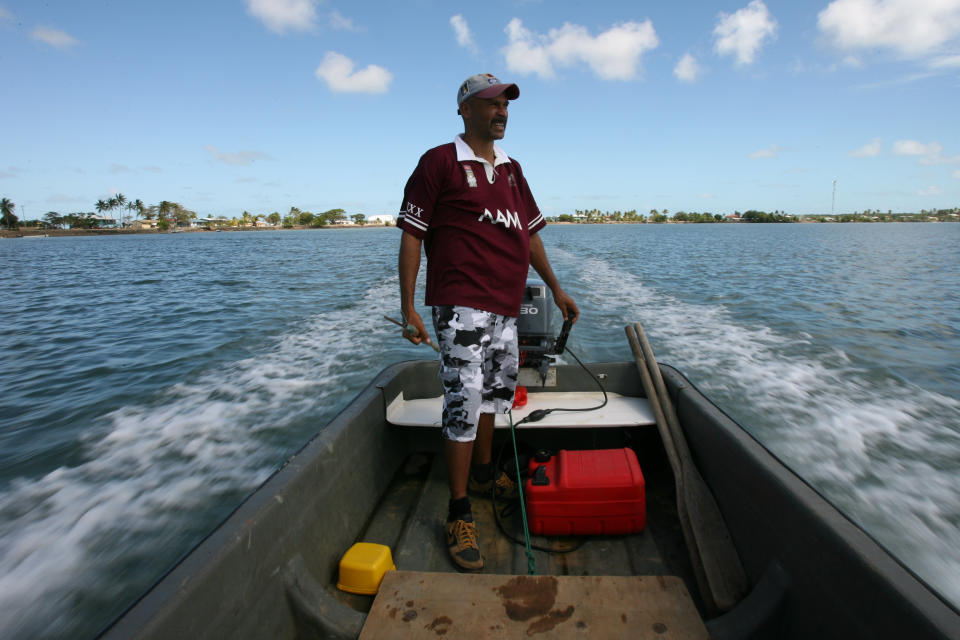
x: 512, y: 91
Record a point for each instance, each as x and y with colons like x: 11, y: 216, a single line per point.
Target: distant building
x: 209, y: 222
x: 103, y: 221
x: 384, y: 218
x: 141, y: 225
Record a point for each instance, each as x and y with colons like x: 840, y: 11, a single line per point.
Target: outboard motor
x: 535, y: 328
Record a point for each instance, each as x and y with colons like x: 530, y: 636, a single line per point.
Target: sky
x: 228, y: 106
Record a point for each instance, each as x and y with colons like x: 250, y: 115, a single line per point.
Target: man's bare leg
x: 483, y: 447
x: 458, y: 456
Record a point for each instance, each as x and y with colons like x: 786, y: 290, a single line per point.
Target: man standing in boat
x: 470, y: 208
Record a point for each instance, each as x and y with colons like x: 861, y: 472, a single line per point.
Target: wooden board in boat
x: 418, y: 604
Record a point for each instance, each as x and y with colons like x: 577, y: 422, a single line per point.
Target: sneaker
x: 463, y: 546
x: 503, y: 487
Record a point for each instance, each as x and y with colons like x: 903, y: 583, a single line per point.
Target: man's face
x: 485, y: 117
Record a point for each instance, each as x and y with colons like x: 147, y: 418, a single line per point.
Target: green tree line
x: 297, y: 217
x: 168, y: 214
x: 595, y: 216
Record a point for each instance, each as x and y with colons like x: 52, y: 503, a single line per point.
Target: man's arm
x: 540, y: 264
x: 409, y: 266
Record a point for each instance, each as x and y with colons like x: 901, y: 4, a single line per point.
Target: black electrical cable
x: 536, y: 416
x: 540, y: 414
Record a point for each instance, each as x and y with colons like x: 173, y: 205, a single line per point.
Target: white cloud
x: 869, y: 150
x: 928, y: 153
x: 908, y: 27
x: 946, y: 62
x: 956, y: 174
x: 54, y: 37
x: 235, y: 157
x: 612, y: 55
x: 743, y: 33
x: 772, y: 152
x: 938, y: 158
x: 462, y: 31
x: 687, y: 68
x: 340, y: 22
x: 281, y: 15
x: 914, y: 148
x: 337, y: 71
x: 930, y: 191
x: 524, y: 53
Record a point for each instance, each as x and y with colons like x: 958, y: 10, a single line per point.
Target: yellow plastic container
x: 362, y: 567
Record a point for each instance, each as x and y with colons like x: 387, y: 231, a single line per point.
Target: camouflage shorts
x: 478, y: 366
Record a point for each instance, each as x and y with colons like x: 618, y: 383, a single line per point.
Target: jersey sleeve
x: 420, y: 195
x: 535, y: 220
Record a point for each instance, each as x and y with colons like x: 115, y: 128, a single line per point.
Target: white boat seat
x: 620, y: 411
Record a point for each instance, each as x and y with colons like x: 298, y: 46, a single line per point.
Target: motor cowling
x: 535, y: 328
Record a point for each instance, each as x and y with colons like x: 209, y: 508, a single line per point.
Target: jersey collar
x: 464, y: 152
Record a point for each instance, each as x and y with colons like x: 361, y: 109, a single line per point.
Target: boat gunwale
x: 199, y: 557
x: 847, y: 520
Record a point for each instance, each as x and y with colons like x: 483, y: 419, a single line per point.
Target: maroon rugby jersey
x: 476, y: 233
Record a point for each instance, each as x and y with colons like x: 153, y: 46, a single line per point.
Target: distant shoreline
x: 34, y: 232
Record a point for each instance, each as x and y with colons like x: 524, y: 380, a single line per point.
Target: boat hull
x: 270, y: 569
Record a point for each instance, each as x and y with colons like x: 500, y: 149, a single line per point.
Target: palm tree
x: 101, y: 206
x: 120, y: 200
x: 53, y: 219
x: 8, y: 218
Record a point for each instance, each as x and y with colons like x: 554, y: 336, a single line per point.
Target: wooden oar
x: 672, y: 456
x: 716, y: 564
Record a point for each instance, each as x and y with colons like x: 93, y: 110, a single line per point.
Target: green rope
x: 531, y: 562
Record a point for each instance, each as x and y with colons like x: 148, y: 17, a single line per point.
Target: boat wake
x: 884, y: 451
x: 158, y: 474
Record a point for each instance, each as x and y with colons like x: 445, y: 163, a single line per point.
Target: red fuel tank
x: 598, y: 492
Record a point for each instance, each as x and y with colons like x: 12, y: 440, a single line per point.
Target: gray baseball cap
x: 485, y: 85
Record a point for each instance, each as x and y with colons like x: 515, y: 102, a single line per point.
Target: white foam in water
x: 153, y: 468
x: 869, y: 446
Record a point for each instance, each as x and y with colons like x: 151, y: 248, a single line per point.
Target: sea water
x: 150, y: 382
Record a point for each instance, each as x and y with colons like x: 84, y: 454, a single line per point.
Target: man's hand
x: 413, y: 318
x: 567, y: 306
x: 408, y: 265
